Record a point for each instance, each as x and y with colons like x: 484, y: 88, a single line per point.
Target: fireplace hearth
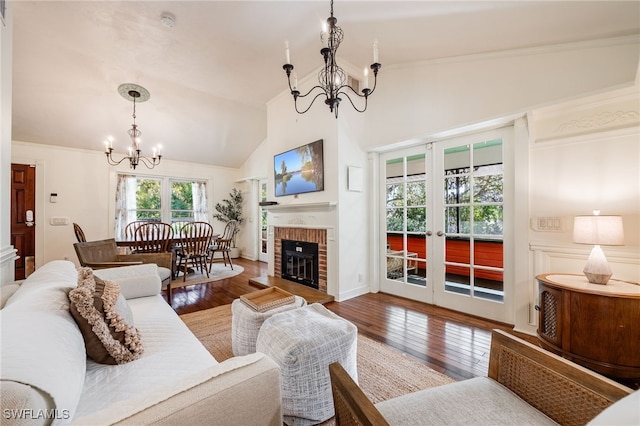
x: 300, y: 262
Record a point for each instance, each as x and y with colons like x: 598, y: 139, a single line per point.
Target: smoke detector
x: 168, y: 20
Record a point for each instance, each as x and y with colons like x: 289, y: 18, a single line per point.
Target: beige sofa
x: 47, y: 378
x: 526, y: 385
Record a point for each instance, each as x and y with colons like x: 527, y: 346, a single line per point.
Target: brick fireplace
x: 311, y: 235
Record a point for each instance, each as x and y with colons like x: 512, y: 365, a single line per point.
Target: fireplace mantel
x: 298, y: 207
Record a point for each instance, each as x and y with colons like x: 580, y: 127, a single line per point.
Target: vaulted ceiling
x: 211, y: 74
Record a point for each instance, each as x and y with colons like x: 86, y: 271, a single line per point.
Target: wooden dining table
x: 126, y: 244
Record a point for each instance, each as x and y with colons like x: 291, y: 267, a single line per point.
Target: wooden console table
x: 597, y: 326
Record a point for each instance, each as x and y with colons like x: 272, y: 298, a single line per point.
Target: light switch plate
x: 59, y: 221
x: 546, y: 223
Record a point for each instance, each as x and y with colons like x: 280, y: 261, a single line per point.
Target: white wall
x: 7, y: 252
x: 354, y: 212
x: 422, y: 99
x: 85, y: 185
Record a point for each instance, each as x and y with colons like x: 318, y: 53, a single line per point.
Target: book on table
x: 268, y: 298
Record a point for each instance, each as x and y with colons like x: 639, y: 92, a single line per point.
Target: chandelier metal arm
x: 366, y: 98
x: 295, y: 100
x: 134, y: 159
x: 110, y: 159
x: 150, y: 162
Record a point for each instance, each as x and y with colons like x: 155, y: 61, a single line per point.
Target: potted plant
x: 231, y: 209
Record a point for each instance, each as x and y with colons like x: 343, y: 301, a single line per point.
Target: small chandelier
x: 135, y: 93
x: 332, y: 78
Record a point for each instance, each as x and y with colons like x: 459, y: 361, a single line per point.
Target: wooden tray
x: 269, y: 298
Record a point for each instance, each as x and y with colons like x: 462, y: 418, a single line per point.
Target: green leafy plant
x: 231, y: 209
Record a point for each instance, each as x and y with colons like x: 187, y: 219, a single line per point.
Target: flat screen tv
x: 299, y: 170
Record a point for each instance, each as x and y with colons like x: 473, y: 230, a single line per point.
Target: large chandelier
x: 135, y: 93
x: 332, y: 78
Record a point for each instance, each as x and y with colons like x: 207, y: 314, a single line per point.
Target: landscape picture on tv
x: 299, y: 170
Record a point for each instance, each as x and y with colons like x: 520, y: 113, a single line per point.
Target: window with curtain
x: 161, y: 199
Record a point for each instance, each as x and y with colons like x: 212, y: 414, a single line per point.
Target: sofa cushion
x: 58, y: 274
x: 134, y: 281
x: 477, y: 401
x: 105, y: 320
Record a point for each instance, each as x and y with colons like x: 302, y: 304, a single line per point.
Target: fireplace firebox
x: 300, y: 262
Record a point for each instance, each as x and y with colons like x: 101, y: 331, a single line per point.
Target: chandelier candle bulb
x: 375, y: 51
x: 365, y: 83
x: 286, y: 51
x: 324, y: 36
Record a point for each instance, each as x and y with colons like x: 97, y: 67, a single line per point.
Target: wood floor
x: 447, y: 341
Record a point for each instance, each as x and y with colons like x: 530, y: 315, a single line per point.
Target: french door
x: 443, y: 235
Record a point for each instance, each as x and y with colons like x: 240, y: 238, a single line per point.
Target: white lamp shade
x: 598, y: 230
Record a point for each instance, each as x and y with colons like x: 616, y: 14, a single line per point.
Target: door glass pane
x: 395, y: 265
x: 417, y: 272
x: 457, y: 187
x: 458, y: 279
x: 416, y: 193
x: 395, y: 220
x: 488, y: 220
x: 488, y: 184
x: 395, y: 195
x: 416, y: 219
x: 489, y: 285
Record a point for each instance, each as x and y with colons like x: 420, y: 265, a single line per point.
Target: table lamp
x: 599, y: 231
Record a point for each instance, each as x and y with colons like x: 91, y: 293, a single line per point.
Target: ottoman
x: 303, y: 342
x: 245, y: 324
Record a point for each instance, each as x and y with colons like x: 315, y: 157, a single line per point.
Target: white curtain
x: 125, y: 203
x: 200, y: 204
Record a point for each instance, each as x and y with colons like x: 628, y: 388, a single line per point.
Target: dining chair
x: 153, y: 237
x: 223, y: 245
x: 79, y: 233
x: 130, y: 229
x: 177, y: 226
x: 195, y: 239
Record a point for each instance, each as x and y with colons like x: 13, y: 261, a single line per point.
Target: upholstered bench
x: 246, y: 323
x: 303, y: 342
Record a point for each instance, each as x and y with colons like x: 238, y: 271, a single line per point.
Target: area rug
x: 383, y: 372
x: 218, y: 272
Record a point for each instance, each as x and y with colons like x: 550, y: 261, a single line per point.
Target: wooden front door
x: 23, y: 205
